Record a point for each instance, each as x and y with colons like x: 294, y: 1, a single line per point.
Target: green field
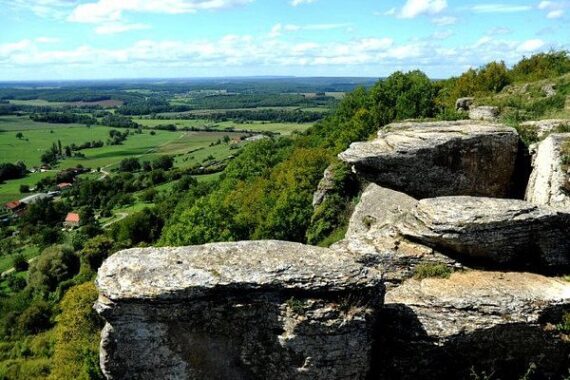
x: 10, y: 190
x: 255, y: 126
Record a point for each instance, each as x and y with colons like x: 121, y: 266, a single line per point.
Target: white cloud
x: 530, y: 46
x: 104, y: 11
x: 259, y: 55
x: 299, y: 2
x: 500, y: 8
x: 114, y: 28
x: 56, y: 9
x: 414, y: 8
x: 445, y: 20
x: 554, y: 9
x: 279, y: 29
x: 47, y: 40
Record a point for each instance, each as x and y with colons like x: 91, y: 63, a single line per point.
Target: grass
x: 432, y: 270
x: 255, y: 126
x: 10, y: 190
x: 7, y: 259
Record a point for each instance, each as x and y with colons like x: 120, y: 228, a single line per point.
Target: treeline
x: 10, y: 171
x: 161, y: 105
x: 63, y: 118
x: 240, y: 116
x: 495, y: 76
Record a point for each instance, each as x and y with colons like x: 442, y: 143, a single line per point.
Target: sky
x: 114, y: 39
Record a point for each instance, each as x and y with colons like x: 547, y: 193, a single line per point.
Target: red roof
x: 72, y: 217
x: 64, y: 185
x: 12, y: 205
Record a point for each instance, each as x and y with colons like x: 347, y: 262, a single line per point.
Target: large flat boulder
x: 439, y: 158
x: 245, y: 310
x: 502, y: 232
x: 474, y: 322
x: 549, y: 182
x: 372, y: 234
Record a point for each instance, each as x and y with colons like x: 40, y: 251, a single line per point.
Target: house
x: 72, y: 220
x: 31, y: 199
x: 15, y: 207
x: 64, y: 185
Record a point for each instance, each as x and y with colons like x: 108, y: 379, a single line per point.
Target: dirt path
x: 3, y: 274
x: 122, y: 215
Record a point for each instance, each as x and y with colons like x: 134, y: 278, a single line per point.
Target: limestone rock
x: 503, y: 232
x: 485, y: 321
x: 549, y: 182
x: 242, y: 310
x: 325, y: 185
x: 372, y: 234
x: 549, y: 90
x: 545, y: 127
x: 439, y: 158
x: 463, y: 104
x: 488, y: 113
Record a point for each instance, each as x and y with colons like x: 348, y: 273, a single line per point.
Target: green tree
x: 54, y: 265
x: 19, y: 135
x: 96, y: 250
x: 77, y: 336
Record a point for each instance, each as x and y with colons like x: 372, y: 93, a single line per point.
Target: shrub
x: 20, y: 263
x: 432, y: 270
x: 15, y: 283
x: 55, y: 264
x: 77, y: 336
x: 96, y: 250
x: 35, y: 318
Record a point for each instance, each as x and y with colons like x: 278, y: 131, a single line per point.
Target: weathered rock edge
x: 245, y: 310
x: 433, y: 159
x: 504, y: 232
x: 549, y: 184
x: 474, y: 322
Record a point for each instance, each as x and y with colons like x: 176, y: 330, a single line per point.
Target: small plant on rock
x: 432, y: 270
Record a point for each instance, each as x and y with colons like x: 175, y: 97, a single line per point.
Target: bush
x: 55, y: 264
x: 432, y: 270
x: 15, y: 283
x: 35, y: 318
x: 96, y: 250
x: 20, y: 263
x: 76, y: 352
x: 24, y: 189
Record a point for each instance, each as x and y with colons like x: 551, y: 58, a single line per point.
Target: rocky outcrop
x: 439, y: 158
x: 474, y: 323
x: 549, y: 90
x: 241, y: 310
x: 549, y: 182
x: 373, y: 235
x: 463, y: 104
x: 487, y: 113
x: 503, y: 232
x: 326, y: 184
x: 543, y: 128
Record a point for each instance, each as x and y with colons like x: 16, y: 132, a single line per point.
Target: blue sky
x: 98, y: 39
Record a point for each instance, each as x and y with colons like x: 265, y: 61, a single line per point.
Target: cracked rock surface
x: 504, y: 232
x: 439, y: 158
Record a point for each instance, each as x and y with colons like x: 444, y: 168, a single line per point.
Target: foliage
x: 141, y: 227
x: 542, y: 66
x: 130, y: 164
x: 431, y: 270
x: 54, y: 265
x: 20, y: 263
x: 96, y: 250
x: 77, y: 336
x: 35, y: 318
x: 12, y: 171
